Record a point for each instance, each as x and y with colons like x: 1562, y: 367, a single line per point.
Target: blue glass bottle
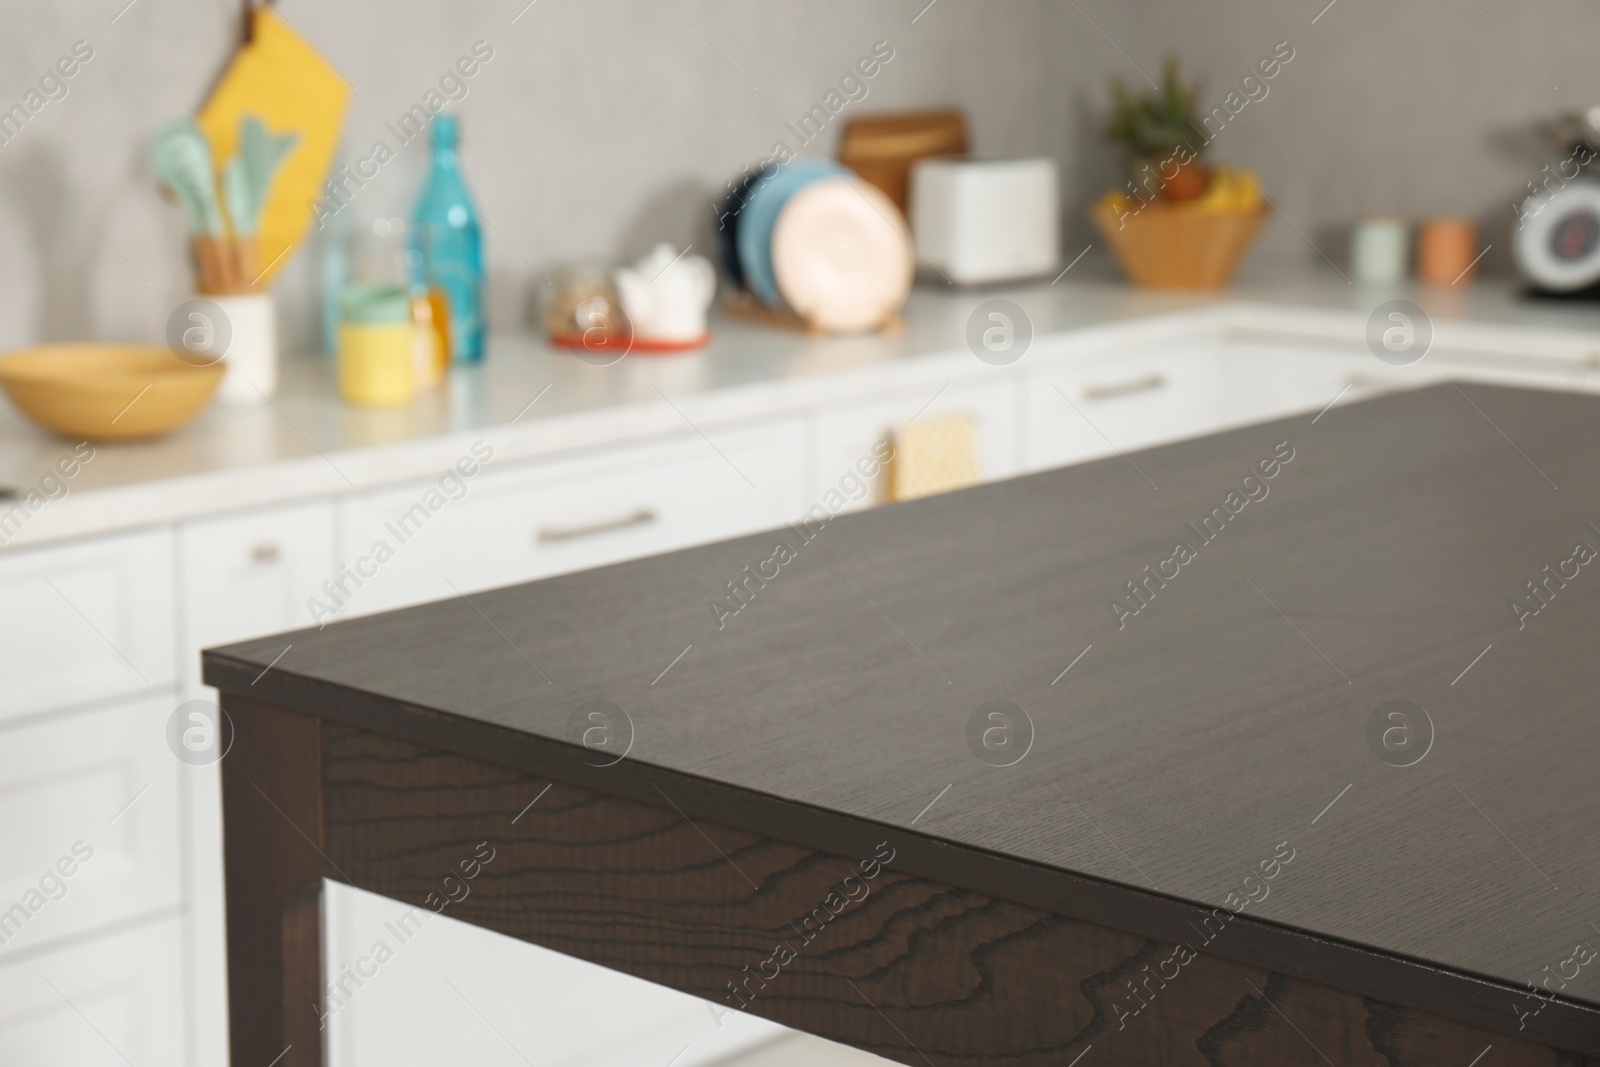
x: 447, y: 243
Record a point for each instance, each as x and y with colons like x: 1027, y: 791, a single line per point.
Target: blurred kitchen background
x: 602, y: 127
x: 1371, y: 161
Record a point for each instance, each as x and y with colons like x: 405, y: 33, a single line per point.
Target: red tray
x: 642, y: 346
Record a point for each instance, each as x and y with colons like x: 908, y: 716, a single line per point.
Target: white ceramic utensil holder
x: 252, y: 350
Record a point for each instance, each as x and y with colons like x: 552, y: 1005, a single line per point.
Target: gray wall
x: 1416, y: 107
x: 601, y: 126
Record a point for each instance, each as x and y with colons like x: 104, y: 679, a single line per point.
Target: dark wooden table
x: 935, y: 790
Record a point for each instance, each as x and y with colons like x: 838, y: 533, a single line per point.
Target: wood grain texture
x: 912, y: 969
x: 304, y: 1034
x: 1224, y: 718
x: 273, y: 830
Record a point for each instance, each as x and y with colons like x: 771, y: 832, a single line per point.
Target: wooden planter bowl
x: 1175, y: 246
x: 104, y: 392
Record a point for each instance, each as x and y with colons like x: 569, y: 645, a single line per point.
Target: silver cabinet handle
x: 552, y: 534
x: 1147, y: 384
x: 265, y: 552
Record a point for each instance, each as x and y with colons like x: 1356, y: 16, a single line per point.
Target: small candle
x: 377, y: 346
x: 1378, y: 249
x: 1447, y: 251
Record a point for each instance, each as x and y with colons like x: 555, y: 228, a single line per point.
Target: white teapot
x: 666, y: 295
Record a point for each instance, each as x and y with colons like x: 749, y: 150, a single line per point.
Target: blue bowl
x: 762, y: 206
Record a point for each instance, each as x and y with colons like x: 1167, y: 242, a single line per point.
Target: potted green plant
x: 1160, y: 138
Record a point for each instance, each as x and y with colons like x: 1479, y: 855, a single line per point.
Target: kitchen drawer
x: 847, y: 433
x: 85, y: 621
x: 91, y: 815
x: 248, y: 575
x: 527, y: 521
x: 111, y: 1002
x: 1121, y: 404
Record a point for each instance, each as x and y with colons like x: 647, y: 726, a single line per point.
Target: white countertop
x: 306, y: 443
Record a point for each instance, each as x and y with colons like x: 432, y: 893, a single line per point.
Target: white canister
x: 1380, y: 249
x: 249, y: 347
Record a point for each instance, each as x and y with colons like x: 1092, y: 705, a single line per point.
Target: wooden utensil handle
x: 225, y: 265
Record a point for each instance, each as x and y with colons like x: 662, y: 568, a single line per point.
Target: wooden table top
x: 1231, y: 722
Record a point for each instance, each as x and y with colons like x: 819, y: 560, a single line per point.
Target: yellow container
x: 377, y: 347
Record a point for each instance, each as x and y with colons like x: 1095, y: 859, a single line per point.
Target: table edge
x: 1463, y: 996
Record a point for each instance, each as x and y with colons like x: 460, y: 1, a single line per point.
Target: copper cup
x: 1447, y: 251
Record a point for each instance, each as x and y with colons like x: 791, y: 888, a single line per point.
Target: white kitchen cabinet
x: 85, y: 621
x: 1531, y: 374
x: 848, y: 432
x: 513, y: 524
x: 454, y: 993
x: 249, y: 574
x: 1265, y: 380
x: 101, y: 639
x: 239, y: 576
x: 112, y: 1003
x: 1262, y: 381
x: 94, y: 793
x: 1120, y: 404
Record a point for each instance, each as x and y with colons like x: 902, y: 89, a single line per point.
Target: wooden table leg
x: 274, y: 830
x: 303, y: 1028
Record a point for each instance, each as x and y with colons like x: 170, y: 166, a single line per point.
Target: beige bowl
x: 103, y: 392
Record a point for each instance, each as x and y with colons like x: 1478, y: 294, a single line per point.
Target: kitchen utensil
x: 1446, y: 251
x: 760, y: 215
x: 666, y: 295
x: 182, y: 159
x: 1175, y: 246
x: 842, y: 255
x: 285, y: 83
x: 247, y: 177
x: 984, y: 221
x: 883, y: 149
x: 1380, y: 249
x: 1558, y: 244
x: 107, y: 391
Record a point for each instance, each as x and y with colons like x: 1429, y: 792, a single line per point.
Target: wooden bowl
x: 103, y: 392
x: 1175, y: 246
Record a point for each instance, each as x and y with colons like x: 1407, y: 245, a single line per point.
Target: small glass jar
x: 583, y: 309
x: 430, y: 314
x: 377, y: 346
